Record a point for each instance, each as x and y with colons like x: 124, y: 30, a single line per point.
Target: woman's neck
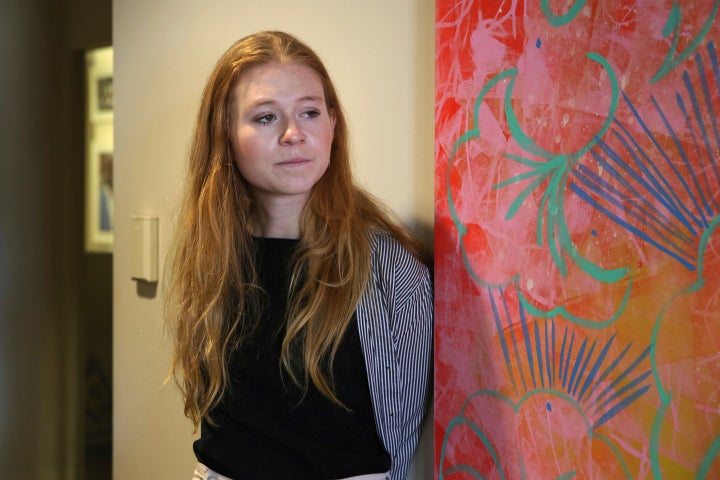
x: 279, y: 218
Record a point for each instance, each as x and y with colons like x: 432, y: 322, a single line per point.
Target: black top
x: 265, y: 428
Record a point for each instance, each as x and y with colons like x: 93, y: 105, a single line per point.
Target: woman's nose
x: 292, y: 133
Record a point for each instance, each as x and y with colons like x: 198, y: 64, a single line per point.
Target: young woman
x: 301, y: 310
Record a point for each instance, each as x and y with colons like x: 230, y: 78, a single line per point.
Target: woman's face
x: 282, y: 131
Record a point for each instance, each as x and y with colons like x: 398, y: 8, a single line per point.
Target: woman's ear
x: 331, y: 113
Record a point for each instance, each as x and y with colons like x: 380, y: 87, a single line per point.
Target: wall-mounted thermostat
x: 144, y: 245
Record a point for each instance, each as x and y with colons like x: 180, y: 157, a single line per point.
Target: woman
x: 302, y: 312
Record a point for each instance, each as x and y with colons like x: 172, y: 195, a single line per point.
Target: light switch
x: 144, y: 244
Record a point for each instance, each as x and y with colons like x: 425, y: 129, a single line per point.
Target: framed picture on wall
x: 100, y: 84
x: 99, y: 197
x: 99, y: 204
x: 104, y: 94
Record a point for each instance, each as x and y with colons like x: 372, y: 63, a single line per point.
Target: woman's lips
x: 294, y: 161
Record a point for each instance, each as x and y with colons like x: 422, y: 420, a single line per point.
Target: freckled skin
x: 282, y: 131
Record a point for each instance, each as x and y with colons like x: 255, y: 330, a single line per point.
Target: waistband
x: 370, y: 476
x: 202, y: 472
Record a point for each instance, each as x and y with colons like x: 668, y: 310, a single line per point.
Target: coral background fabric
x: 577, y: 239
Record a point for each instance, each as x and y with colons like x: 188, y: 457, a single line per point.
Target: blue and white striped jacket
x: 395, y: 322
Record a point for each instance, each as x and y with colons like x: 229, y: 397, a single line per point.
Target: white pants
x: 204, y: 473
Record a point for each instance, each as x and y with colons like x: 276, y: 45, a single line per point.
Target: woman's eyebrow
x: 260, y: 103
x: 268, y: 102
x: 312, y: 98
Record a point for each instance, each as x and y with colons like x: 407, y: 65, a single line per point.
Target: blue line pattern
x: 604, y: 386
x: 665, y: 191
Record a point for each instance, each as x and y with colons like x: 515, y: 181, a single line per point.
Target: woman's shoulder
x: 401, y: 280
x: 389, y: 252
x: 384, y: 243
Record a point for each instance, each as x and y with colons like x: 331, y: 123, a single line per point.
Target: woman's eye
x: 265, y: 119
x: 311, y: 114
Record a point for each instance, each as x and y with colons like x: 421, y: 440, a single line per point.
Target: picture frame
x: 100, y: 84
x: 99, y: 198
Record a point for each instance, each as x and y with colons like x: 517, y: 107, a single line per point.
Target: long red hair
x: 211, y: 279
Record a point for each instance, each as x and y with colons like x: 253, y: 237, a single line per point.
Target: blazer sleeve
x: 400, y: 369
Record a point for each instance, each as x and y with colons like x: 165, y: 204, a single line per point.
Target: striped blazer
x: 395, y: 322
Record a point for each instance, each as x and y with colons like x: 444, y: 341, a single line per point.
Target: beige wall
x: 380, y: 55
